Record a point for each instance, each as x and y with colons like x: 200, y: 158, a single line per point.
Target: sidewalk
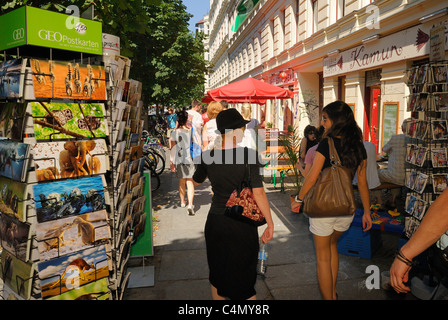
x: 180, y: 262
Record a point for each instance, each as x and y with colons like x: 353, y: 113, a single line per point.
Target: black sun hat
x: 229, y: 119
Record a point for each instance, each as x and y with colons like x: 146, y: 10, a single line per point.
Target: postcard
x: 422, y: 103
x: 410, y: 226
x: 439, y: 129
x: 419, y: 209
x: 67, y: 159
x: 73, y: 272
x: 411, y: 75
x: 18, y: 275
x: 13, y: 198
x: 439, y: 157
x: 63, y: 198
x: 420, y: 182
x: 440, y: 101
x: 421, y: 156
x: 12, y: 78
x: 12, y: 120
x: 421, y: 74
x: 410, y: 181
x: 439, y: 182
x: 411, y: 128
x: 15, y: 236
x: 411, y: 153
x: 410, y: 203
x: 421, y: 129
x: 14, y: 158
x: 64, y: 236
x: 412, y: 103
x: 53, y: 120
x: 68, y: 80
x: 440, y: 72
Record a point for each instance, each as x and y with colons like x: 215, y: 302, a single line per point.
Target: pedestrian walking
x: 340, y: 125
x: 181, y: 162
x: 232, y: 245
x: 172, y: 124
x: 250, y: 134
x: 209, y: 135
x: 308, y: 141
x: 195, y: 123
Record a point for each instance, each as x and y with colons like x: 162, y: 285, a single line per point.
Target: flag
x: 244, y: 8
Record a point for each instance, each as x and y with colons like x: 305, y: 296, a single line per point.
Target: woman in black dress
x: 232, y: 245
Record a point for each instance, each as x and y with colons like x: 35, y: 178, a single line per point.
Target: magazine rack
x: 115, y: 128
x: 427, y: 131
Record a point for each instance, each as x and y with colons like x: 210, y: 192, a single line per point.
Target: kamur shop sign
x: 33, y: 26
x: 407, y: 44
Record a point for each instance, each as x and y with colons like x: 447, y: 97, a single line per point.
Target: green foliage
x: 291, y: 144
x: 166, y: 57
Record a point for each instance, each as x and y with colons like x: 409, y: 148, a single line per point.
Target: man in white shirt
x: 195, y: 122
x: 395, y: 171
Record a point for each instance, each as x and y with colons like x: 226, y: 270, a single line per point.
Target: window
x: 315, y: 13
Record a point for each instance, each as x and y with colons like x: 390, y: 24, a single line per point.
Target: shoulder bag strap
x: 334, y: 157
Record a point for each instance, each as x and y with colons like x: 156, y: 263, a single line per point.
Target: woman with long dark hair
x: 340, y: 125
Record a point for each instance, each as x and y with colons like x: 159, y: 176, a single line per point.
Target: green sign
x: 33, y: 26
x: 13, y: 27
x: 143, y: 245
x: 244, y: 8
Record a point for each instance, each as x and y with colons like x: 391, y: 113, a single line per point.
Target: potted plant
x: 269, y: 125
x: 290, y: 154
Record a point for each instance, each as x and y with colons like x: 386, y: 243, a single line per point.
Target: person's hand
x: 366, y: 221
x: 172, y: 167
x: 268, y: 234
x: 295, y: 206
x: 399, y: 275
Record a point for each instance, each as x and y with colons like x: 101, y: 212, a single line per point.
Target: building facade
x: 324, y: 50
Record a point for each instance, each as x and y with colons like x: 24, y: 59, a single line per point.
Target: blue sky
x: 198, y: 8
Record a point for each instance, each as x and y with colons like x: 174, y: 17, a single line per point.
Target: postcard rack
x: 427, y: 132
x: 75, y: 196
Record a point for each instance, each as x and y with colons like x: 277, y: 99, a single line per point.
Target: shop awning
x: 248, y: 90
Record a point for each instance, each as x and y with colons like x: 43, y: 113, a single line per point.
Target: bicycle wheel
x: 157, y: 148
x: 158, y: 163
x: 155, y: 181
x: 150, y: 162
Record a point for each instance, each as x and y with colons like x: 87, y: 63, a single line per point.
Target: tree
x: 166, y: 57
x: 170, y: 57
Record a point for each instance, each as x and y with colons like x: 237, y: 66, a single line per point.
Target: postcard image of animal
x: 12, y: 75
x: 14, y: 236
x: 73, y: 272
x: 97, y: 290
x: 64, y: 236
x: 12, y: 120
x: 67, y: 159
x: 16, y: 274
x: 58, y: 120
x: 14, y: 157
x: 13, y: 197
x: 63, y: 198
x: 68, y: 80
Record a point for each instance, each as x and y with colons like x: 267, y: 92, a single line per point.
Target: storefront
x: 370, y: 78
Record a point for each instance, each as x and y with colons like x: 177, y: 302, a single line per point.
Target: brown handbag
x: 332, y: 195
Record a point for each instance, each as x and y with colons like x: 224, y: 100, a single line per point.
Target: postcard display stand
x: 71, y: 183
x: 426, y: 158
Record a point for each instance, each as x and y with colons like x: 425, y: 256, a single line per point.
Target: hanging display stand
x: 72, y: 196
